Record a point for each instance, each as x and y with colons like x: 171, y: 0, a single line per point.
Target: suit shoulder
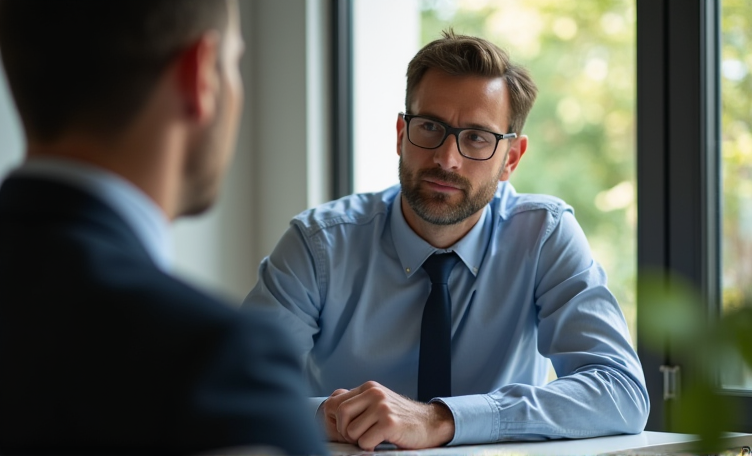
x: 166, y: 293
x: 239, y: 357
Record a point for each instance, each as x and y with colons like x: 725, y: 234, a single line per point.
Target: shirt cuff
x: 475, y: 419
x: 314, y: 404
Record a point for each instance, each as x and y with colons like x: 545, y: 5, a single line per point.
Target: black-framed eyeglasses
x: 472, y: 143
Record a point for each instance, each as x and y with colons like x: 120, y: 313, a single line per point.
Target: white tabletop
x: 644, y: 443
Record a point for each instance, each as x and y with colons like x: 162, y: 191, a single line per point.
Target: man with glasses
x: 427, y: 313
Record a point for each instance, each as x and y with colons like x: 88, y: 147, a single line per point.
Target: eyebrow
x: 471, y: 125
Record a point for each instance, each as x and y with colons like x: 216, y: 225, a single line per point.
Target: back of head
x: 462, y: 55
x: 91, y: 64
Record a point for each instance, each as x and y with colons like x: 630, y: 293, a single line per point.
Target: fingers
x: 353, y: 408
x: 329, y: 408
x: 370, y: 429
x: 331, y: 431
x: 385, y: 419
x: 342, y: 407
x: 371, y: 414
x: 365, y: 416
x: 331, y: 404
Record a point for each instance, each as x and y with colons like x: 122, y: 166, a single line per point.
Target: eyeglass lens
x: 429, y: 134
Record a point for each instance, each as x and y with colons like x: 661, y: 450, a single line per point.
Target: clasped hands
x: 371, y: 414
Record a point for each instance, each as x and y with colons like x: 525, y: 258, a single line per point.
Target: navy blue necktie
x: 435, y: 365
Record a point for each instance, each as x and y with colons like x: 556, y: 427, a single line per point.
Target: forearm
x: 593, y: 402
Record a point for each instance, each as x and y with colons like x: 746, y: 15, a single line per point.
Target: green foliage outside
x: 736, y: 147
x: 582, y: 127
x: 736, y: 90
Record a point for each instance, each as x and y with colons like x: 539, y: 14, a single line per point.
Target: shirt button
x: 475, y: 270
x: 407, y: 270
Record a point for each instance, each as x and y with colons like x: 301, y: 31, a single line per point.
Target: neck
x: 439, y: 236
x: 141, y: 159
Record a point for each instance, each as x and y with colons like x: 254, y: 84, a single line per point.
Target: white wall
x: 282, y: 157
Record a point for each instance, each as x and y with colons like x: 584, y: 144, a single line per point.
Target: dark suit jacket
x: 102, y: 352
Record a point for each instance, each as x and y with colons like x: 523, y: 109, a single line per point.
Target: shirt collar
x: 413, y: 250
x: 140, y: 213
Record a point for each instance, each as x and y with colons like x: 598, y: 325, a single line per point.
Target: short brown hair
x: 91, y: 64
x: 461, y: 55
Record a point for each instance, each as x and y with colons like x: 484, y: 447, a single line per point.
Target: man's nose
x: 447, y: 155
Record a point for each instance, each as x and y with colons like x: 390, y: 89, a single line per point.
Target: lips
x: 441, y: 185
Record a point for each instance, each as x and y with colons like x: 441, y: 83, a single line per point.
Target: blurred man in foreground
x: 130, y: 111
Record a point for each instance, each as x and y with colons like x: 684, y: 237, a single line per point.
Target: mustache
x: 449, y: 178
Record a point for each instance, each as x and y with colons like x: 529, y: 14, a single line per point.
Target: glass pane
x: 379, y: 64
x: 582, y: 128
x: 736, y: 127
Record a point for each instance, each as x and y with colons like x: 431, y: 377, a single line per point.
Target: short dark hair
x: 91, y: 64
x: 461, y: 55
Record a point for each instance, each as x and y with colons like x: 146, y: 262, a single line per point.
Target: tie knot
x: 439, y: 266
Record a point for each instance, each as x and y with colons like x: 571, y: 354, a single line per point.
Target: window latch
x: 671, y: 382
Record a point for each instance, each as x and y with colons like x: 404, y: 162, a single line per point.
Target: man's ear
x: 516, y: 151
x: 401, y: 125
x: 198, y: 77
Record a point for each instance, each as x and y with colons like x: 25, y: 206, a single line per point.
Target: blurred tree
x: 582, y: 128
x: 736, y: 98
x: 736, y: 89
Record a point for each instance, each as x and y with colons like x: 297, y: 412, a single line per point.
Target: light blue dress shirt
x: 139, y: 212
x: 346, y: 278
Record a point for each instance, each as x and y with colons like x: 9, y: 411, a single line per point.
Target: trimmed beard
x: 434, y: 207
x: 203, y: 178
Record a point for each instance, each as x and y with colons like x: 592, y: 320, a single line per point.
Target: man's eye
x: 429, y: 126
x: 477, y: 138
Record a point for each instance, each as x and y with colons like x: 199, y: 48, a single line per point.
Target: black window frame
x: 342, y: 98
x: 678, y: 173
